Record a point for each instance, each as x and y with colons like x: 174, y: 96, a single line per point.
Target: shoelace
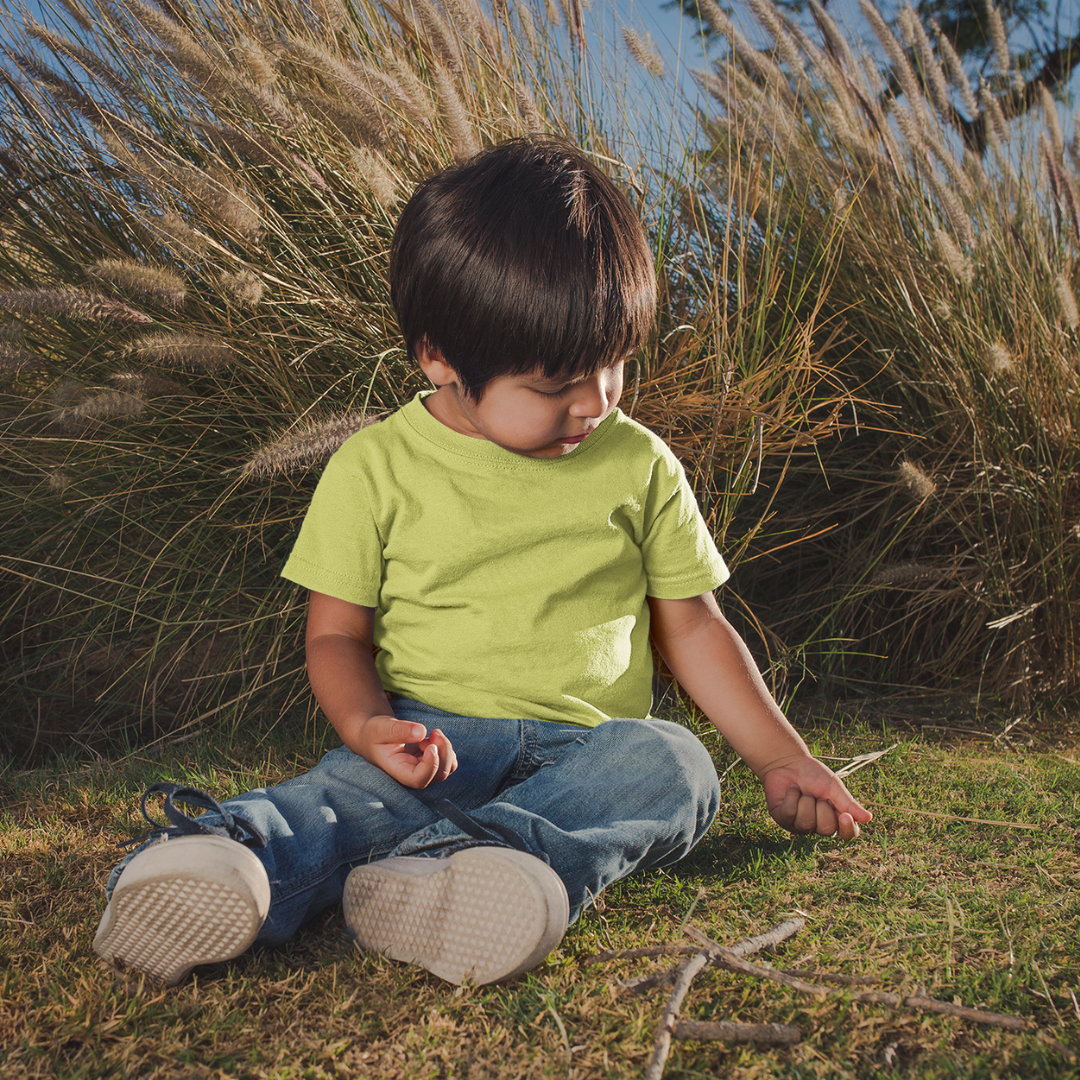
x: 232, y: 826
x: 496, y: 834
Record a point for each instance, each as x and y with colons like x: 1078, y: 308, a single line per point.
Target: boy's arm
x: 341, y: 670
x: 714, y: 666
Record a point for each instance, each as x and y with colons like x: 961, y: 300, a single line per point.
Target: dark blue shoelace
x: 232, y: 826
x: 494, y: 833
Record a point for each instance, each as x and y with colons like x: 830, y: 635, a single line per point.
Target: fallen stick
x: 684, y: 976
x: 637, y: 954
x: 829, y: 976
x: 746, y: 947
x: 725, y: 958
x: 964, y: 1012
x: 731, y: 1031
x: 687, y: 970
x: 728, y: 958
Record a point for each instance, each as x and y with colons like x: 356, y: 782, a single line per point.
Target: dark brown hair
x: 525, y: 258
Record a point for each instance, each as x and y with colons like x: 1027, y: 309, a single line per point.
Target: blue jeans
x: 594, y: 803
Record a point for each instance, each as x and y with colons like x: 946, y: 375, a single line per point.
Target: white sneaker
x: 184, y: 901
x: 485, y: 913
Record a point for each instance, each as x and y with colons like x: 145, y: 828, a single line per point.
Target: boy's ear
x: 433, y: 365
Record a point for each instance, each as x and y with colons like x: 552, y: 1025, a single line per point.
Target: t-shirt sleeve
x: 680, y: 555
x: 339, y: 550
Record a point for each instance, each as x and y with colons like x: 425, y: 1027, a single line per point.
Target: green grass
x: 986, y: 915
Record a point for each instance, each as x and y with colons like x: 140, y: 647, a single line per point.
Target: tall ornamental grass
x: 195, y: 207
x: 941, y: 547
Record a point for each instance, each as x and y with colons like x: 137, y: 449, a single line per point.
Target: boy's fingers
x: 806, y: 816
x: 423, y: 771
x: 447, y: 757
x: 389, y: 729
x: 846, y: 803
x: 848, y: 827
x: 827, y: 824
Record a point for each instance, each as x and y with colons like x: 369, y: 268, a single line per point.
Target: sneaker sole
x: 489, y: 914
x: 184, y: 902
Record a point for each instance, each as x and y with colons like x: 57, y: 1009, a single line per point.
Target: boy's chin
x: 551, y: 450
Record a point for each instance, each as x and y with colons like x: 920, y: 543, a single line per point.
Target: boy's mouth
x: 575, y: 438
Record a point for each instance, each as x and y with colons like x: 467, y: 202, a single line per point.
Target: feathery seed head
x: 957, y: 75
x: 261, y: 64
x: 950, y: 202
x: 173, y: 233
x: 835, y: 42
x: 108, y: 405
x: 897, y: 57
x: 1000, y: 39
x: 997, y: 127
x: 1067, y: 302
x: 243, y: 286
x: 440, y: 36
x: 465, y: 17
x: 914, y: 481
x: 932, y: 69
x: 371, y: 168
x: 184, y: 351
x: 71, y: 304
x: 907, y: 574
x: 148, y: 385
x: 1053, y: 126
x: 528, y: 26
x: 998, y: 358
x: 714, y: 19
x: 367, y: 110
x: 360, y: 126
x: 643, y: 49
x: 15, y: 358
x: 379, y: 84
x: 91, y: 63
x: 184, y: 51
x: 959, y: 265
x: 155, y: 283
x: 332, y: 14
x: 312, y: 443
x: 531, y: 119
x: 59, y: 480
x: 459, y: 130
x: 767, y: 16
x: 414, y: 90
x: 232, y: 208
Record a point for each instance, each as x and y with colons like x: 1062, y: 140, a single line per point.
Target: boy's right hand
x: 405, y: 751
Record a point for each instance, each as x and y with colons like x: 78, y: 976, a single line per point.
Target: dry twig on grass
x: 687, y: 970
x: 638, y: 954
x: 731, y: 1031
x: 667, y: 978
x: 684, y: 975
x: 727, y: 958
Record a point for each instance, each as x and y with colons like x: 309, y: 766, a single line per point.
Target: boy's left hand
x: 807, y: 797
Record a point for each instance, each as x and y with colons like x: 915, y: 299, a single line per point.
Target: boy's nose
x: 592, y: 396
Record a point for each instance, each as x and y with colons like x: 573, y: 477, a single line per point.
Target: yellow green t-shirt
x: 507, y: 586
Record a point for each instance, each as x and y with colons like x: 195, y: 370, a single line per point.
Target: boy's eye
x: 554, y: 393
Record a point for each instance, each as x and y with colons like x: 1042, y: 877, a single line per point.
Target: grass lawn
x: 985, y: 913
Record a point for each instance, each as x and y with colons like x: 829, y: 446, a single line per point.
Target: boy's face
x: 526, y: 414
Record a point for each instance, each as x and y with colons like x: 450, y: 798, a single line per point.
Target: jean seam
x: 524, y: 768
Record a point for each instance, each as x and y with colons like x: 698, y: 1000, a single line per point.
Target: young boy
x: 506, y: 545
